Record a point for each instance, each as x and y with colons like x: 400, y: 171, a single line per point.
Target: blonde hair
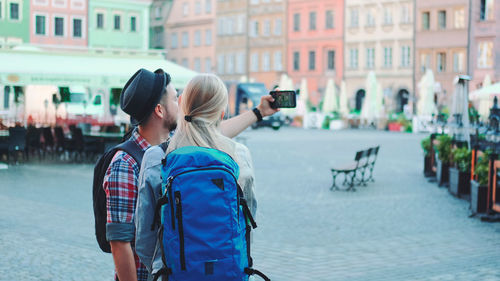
x: 204, y: 99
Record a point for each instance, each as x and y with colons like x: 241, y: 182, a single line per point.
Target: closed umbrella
x: 304, y: 96
x: 426, y: 105
x: 368, y: 110
x: 344, y: 110
x: 330, y: 103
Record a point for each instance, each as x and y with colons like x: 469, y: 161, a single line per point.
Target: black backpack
x: 98, y: 194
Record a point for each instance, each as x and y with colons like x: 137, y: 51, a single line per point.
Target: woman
x: 201, y: 111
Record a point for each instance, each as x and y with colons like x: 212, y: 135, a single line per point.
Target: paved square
x: 399, y: 228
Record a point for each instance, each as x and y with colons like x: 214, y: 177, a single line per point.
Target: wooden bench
x: 358, y: 172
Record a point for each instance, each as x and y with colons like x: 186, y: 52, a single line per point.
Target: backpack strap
x: 132, y: 148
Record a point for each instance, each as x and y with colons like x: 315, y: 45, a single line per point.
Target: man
x: 151, y: 101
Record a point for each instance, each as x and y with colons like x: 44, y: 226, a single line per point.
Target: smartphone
x: 284, y: 99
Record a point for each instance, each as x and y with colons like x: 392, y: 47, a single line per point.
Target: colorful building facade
x: 118, y: 24
x: 485, y: 45
x: 268, y: 41
x: 379, y: 38
x: 59, y: 23
x: 191, y: 33
x: 441, y: 43
x: 14, y: 21
x: 232, y: 40
x: 315, y: 43
x: 159, y: 11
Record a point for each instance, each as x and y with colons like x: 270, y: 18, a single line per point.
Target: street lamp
x: 46, y: 105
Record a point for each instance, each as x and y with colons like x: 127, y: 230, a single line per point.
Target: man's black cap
x: 142, y: 93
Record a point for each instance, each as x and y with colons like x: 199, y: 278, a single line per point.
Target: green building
x: 14, y: 21
x: 118, y: 24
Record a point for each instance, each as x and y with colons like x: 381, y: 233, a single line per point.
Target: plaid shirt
x: 121, y: 187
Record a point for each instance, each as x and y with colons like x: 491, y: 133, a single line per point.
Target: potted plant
x: 443, y: 149
x: 460, y: 172
x: 427, y: 147
x: 479, y: 187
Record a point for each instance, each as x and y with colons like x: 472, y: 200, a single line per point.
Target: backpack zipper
x: 178, y: 204
x: 171, y: 197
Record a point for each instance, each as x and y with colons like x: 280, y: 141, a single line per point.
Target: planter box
x: 459, y: 182
x: 428, y: 172
x: 394, y: 127
x: 478, y: 197
x: 443, y: 173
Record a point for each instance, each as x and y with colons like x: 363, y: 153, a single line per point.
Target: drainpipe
x: 414, y: 83
x: 247, y: 46
x: 469, y: 30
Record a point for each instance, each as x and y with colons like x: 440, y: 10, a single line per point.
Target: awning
x: 89, y: 70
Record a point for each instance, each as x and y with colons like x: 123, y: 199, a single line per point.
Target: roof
x: 89, y: 70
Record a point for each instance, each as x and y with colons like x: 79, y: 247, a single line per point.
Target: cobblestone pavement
x: 399, y: 228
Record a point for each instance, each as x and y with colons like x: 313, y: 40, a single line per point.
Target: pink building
x: 190, y: 34
x: 485, y: 45
x: 59, y: 23
x: 315, y: 43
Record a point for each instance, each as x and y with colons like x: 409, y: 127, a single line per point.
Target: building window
x: 208, y: 65
x: 240, y: 63
x: 459, y: 19
x: 158, y: 12
x: 174, y: 41
x: 387, y: 16
x: 442, y: 19
x: 312, y: 21
x: 353, y: 58
x: 387, y: 57
x: 197, y: 38
x: 370, y: 19
x: 267, y: 28
x: 426, y: 20
x: 185, y: 39
x: 197, y: 8
x: 208, y: 37
x: 278, y: 61
x: 185, y: 9
x: 405, y: 56
x: 354, y: 17
x: 329, y: 20
x: 441, y: 62
x: 77, y: 28
x: 266, y: 62
x: 330, y: 60
x: 425, y: 62
x: 58, y: 26
x: 278, y: 26
x: 254, y: 28
x: 458, y: 62
x: 1, y: 10
x: 133, y: 24
x: 241, y: 23
x: 220, y: 26
x: 370, y: 58
x: 14, y: 11
x: 185, y: 62
x: 40, y: 25
x: 254, y: 65
x: 296, y: 61
x: 485, y: 55
x: 197, y: 64
x: 117, y: 22
x: 220, y: 64
x: 100, y: 21
x: 487, y: 11
x: 208, y: 6
x: 312, y: 60
x: 405, y: 13
x: 296, y: 22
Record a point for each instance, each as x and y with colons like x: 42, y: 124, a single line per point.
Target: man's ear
x: 159, y: 111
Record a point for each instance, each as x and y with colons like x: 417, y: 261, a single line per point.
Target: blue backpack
x: 204, y: 220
